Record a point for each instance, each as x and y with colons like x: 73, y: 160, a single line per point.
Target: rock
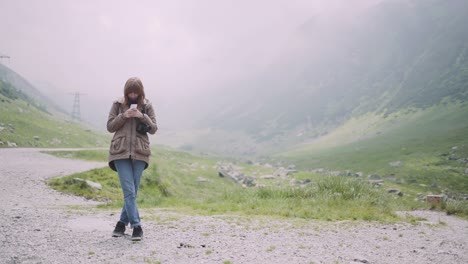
x: 392, y: 178
x: 396, y: 164
x: 398, y: 192
x: 319, y: 170
x: 466, y: 171
x: 12, y: 144
x: 201, y: 179
x: 374, y: 177
x: 1, y: 128
x: 359, y: 174
x: 36, y: 137
x: 92, y: 184
x: 236, y: 176
x: 361, y: 260
x: 376, y: 183
x: 268, y: 177
x: 248, y: 181
x: 400, y: 181
x: 55, y: 141
x: 304, y: 182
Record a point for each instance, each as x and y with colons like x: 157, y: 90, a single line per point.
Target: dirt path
x: 39, y: 225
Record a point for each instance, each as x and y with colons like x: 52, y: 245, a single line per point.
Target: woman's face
x: 132, y: 96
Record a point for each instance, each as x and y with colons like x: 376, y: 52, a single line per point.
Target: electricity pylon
x: 76, y: 113
x: 3, y: 56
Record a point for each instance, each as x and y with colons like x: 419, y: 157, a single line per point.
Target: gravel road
x: 40, y: 225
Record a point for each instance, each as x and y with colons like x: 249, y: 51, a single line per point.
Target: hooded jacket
x: 127, y: 143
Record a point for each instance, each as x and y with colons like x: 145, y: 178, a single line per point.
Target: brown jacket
x: 127, y: 143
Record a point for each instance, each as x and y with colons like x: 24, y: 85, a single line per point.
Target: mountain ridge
x: 399, y: 55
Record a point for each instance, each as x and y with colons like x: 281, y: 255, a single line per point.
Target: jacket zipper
x: 131, y: 137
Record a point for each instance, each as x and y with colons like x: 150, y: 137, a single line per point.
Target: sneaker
x: 137, y: 233
x: 119, y: 229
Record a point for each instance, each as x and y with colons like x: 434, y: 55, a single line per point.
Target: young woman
x: 131, y: 118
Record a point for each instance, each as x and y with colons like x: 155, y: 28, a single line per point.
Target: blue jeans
x: 130, y: 174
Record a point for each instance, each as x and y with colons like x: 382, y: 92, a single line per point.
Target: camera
x: 142, y: 128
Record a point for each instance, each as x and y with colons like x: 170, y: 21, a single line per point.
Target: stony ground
x: 39, y: 225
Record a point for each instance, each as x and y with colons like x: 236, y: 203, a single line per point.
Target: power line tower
x: 3, y: 56
x: 76, y: 113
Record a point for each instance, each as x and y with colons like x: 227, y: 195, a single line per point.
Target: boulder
x: 374, y: 177
x: 359, y: 174
x: 248, y: 181
x: 11, y: 144
x: 92, y: 184
x: 398, y: 192
x: 396, y: 164
x: 201, y: 179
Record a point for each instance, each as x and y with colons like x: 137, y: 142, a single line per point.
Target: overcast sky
x: 178, y: 47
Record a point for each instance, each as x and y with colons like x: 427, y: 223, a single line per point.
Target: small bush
x: 456, y: 207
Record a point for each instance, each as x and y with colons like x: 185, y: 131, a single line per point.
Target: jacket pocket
x: 142, y: 146
x: 118, y: 145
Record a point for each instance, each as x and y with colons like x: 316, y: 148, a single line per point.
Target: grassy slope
x: 27, y: 122
x: 423, y: 140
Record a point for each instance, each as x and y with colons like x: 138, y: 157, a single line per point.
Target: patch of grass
x: 457, y: 207
x: 270, y: 248
x: 93, y: 155
x: 414, y: 220
x: 110, y: 192
x: 151, y: 261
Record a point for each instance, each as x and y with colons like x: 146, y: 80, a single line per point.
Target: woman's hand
x: 133, y: 113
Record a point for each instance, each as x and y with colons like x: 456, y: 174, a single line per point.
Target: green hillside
x: 27, y: 123
x: 431, y: 144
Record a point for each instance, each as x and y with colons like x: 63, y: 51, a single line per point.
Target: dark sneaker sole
x: 136, y: 238
x: 117, y: 234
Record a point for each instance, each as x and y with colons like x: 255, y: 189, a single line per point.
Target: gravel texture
x: 40, y: 225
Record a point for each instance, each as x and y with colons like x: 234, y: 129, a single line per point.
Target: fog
x: 180, y: 49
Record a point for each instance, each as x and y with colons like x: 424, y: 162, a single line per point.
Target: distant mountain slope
x: 398, y: 54
x: 11, y: 77
x: 26, y: 119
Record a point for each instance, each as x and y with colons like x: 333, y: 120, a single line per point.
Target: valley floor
x: 40, y: 225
